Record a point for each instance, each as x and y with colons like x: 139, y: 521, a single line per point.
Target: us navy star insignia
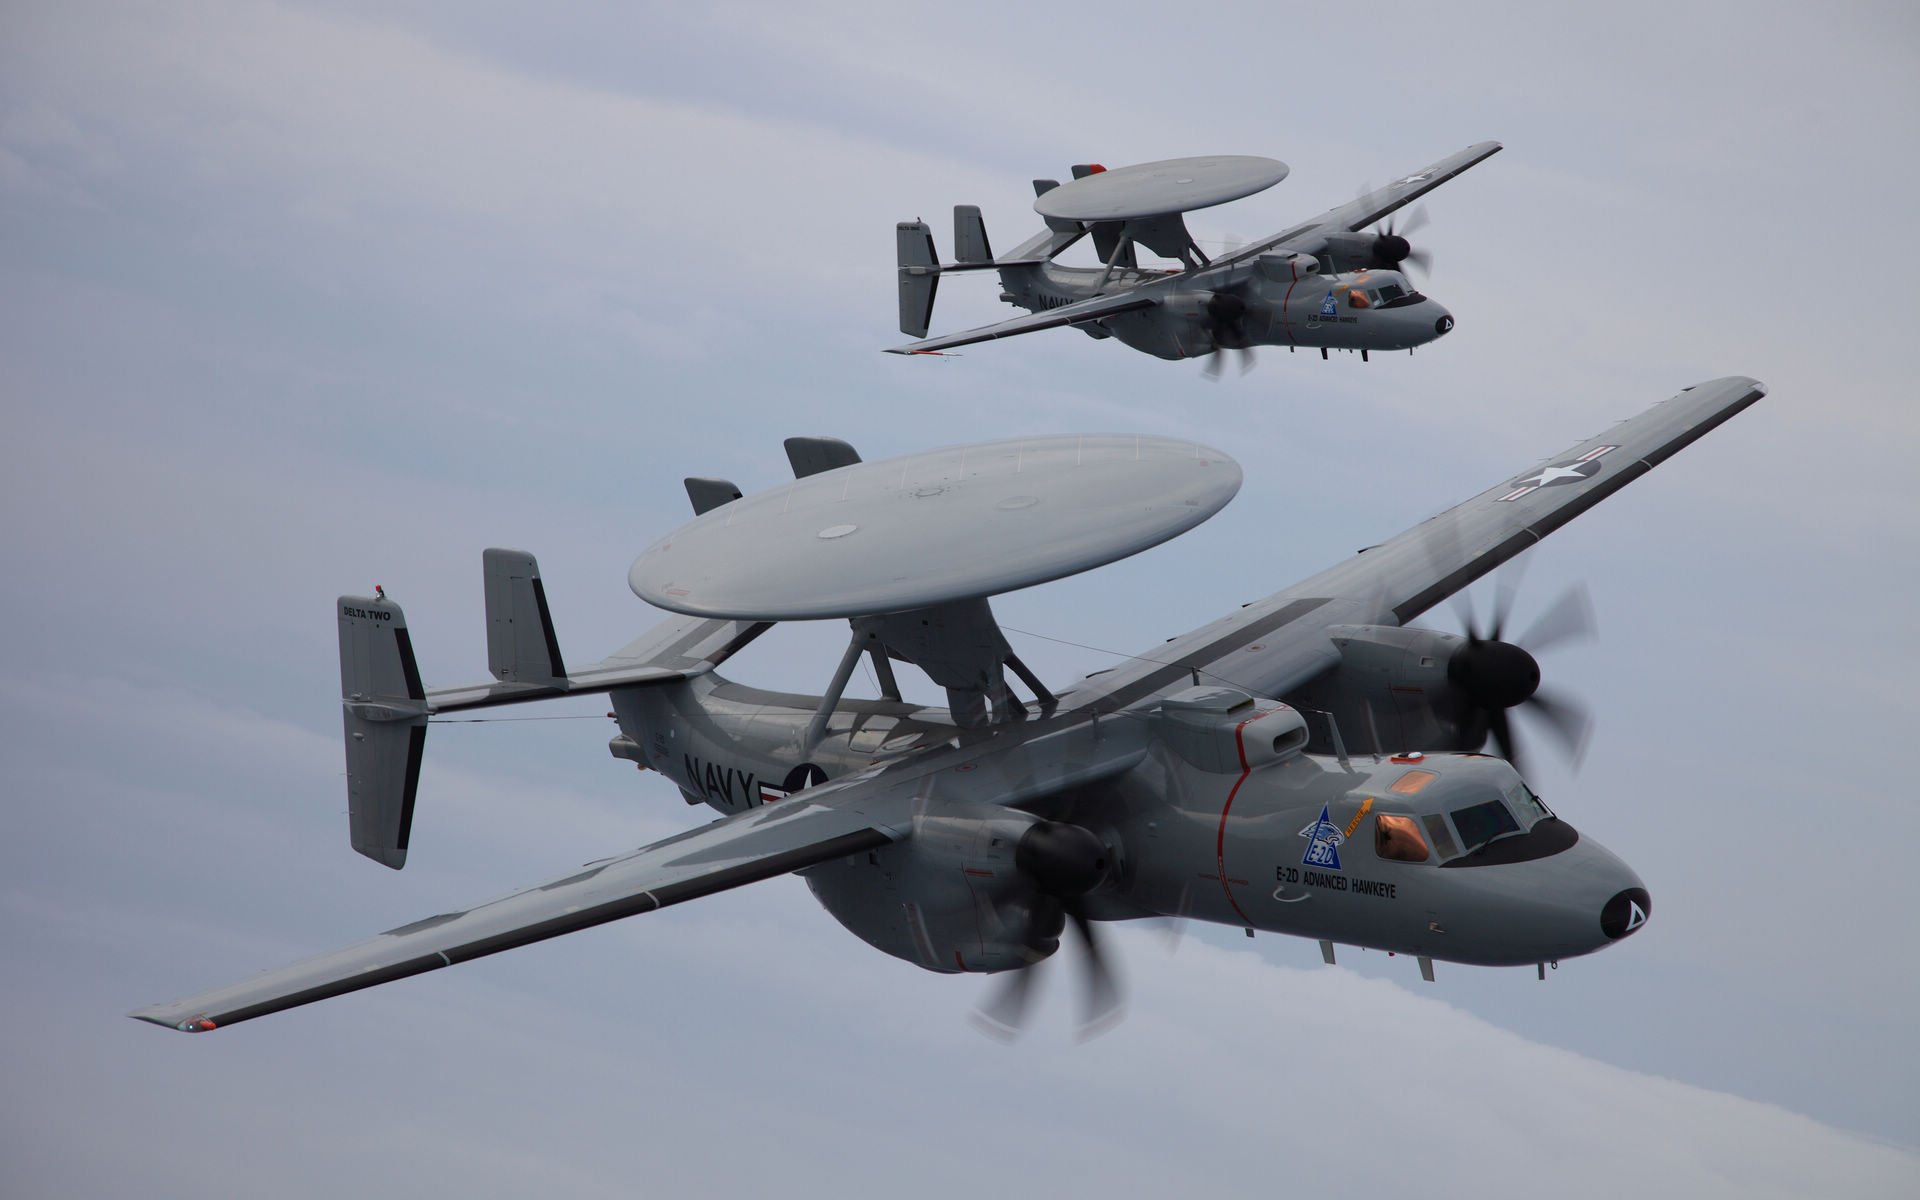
x: 1573, y: 471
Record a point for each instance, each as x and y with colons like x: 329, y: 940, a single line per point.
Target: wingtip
x: 1747, y: 382
x: 158, y: 1015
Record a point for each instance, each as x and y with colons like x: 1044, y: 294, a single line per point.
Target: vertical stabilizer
x: 384, y: 708
x: 970, y: 235
x: 919, y: 276
x: 521, y: 646
x: 1057, y: 224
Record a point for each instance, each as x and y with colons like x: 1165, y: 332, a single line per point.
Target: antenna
x: 1339, y: 745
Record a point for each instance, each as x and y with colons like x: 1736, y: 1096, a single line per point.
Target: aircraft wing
x: 1275, y: 645
x: 1357, y: 214
x: 1068, y: 314
x: 831, y: 821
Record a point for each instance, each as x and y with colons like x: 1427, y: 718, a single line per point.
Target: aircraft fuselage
x: 1445, y: 856
x: 1355, y: 310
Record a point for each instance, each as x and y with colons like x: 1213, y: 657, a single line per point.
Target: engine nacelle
x: 1390, y: 691
x: 1190, y: 307
x: 949, y: 898
x: 1360, y: 251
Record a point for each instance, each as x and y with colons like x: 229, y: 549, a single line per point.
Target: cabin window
x: 1398, y: 838
x: 1482, y: 823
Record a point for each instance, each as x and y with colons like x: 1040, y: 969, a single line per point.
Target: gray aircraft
x: 1307, y: 764
x: 1328, y: 284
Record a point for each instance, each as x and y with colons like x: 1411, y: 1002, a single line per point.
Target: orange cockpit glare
x: 1398, y: 838
x: 1412, y: 782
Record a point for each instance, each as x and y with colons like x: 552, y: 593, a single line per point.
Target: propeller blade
x: 1062, y: 862
x: 1104, y: 1008
x: 1246, y: 359
x: 1506, y: 585
x: 1416, y: 219
x: 1212, y: 369
x: 1501, y: 727
x: 1006, y: 1015
x: 1174, y: 924
x: 1463, y: 608
x: 1570, y: 617
x: 1419, y: 258
x: 1567, y: 720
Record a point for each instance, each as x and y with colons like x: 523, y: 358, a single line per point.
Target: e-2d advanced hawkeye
x: 1307, y: 764
x: 1331, y: 283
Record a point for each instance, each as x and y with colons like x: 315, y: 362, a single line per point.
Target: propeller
x: 1391, y: 247
x: 1492, y: 675
x: 1062, y: 863
x: 1226, y: 321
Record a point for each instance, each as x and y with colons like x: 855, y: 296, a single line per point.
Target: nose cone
x: 1612, y: 901
x: 1442, y: 322
x: 1572, y: 902
x: 1625, y: 913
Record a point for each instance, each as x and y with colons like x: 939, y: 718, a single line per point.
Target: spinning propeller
x: 1226, y: 322
x: 1391, y: 247
x: 1492, y: 676
x: 1062, y: 863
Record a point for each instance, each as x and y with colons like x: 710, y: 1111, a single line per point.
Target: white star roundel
x: 1576, y: 470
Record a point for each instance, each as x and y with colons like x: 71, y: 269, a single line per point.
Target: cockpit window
x: 1356, y: 298
x: 1482, y: 823
x: 1398, y: 838
x: 1530, y: 807
x: 1389, y: 292
x: 1442, y: 837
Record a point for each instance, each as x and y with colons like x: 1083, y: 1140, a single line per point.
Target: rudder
x: 919, y: 276
x: 384, y: 709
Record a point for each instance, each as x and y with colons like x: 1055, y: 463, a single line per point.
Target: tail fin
x: 385, y: 710
x: 919, y: 276
x: 970, y: 236
x: 1057, y: 224
x: 521, y: 647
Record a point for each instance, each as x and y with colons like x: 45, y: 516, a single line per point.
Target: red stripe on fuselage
x: 1220, y: 843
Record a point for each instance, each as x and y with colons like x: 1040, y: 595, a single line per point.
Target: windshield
x: 1392, y: 295
x: 1530, y: 807
x: 1481, y: 823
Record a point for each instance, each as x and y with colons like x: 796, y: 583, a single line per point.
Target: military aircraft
x: 1328, y: 284
x: 1306, y: 764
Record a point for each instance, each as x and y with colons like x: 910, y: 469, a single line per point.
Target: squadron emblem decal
x: 1576, y: 470
x: 1323, y: 842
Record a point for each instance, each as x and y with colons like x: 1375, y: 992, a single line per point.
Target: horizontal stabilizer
x: 384, y: 709
x: 521, y: 647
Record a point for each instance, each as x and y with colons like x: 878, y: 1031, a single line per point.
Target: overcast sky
x: 295, y: 299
